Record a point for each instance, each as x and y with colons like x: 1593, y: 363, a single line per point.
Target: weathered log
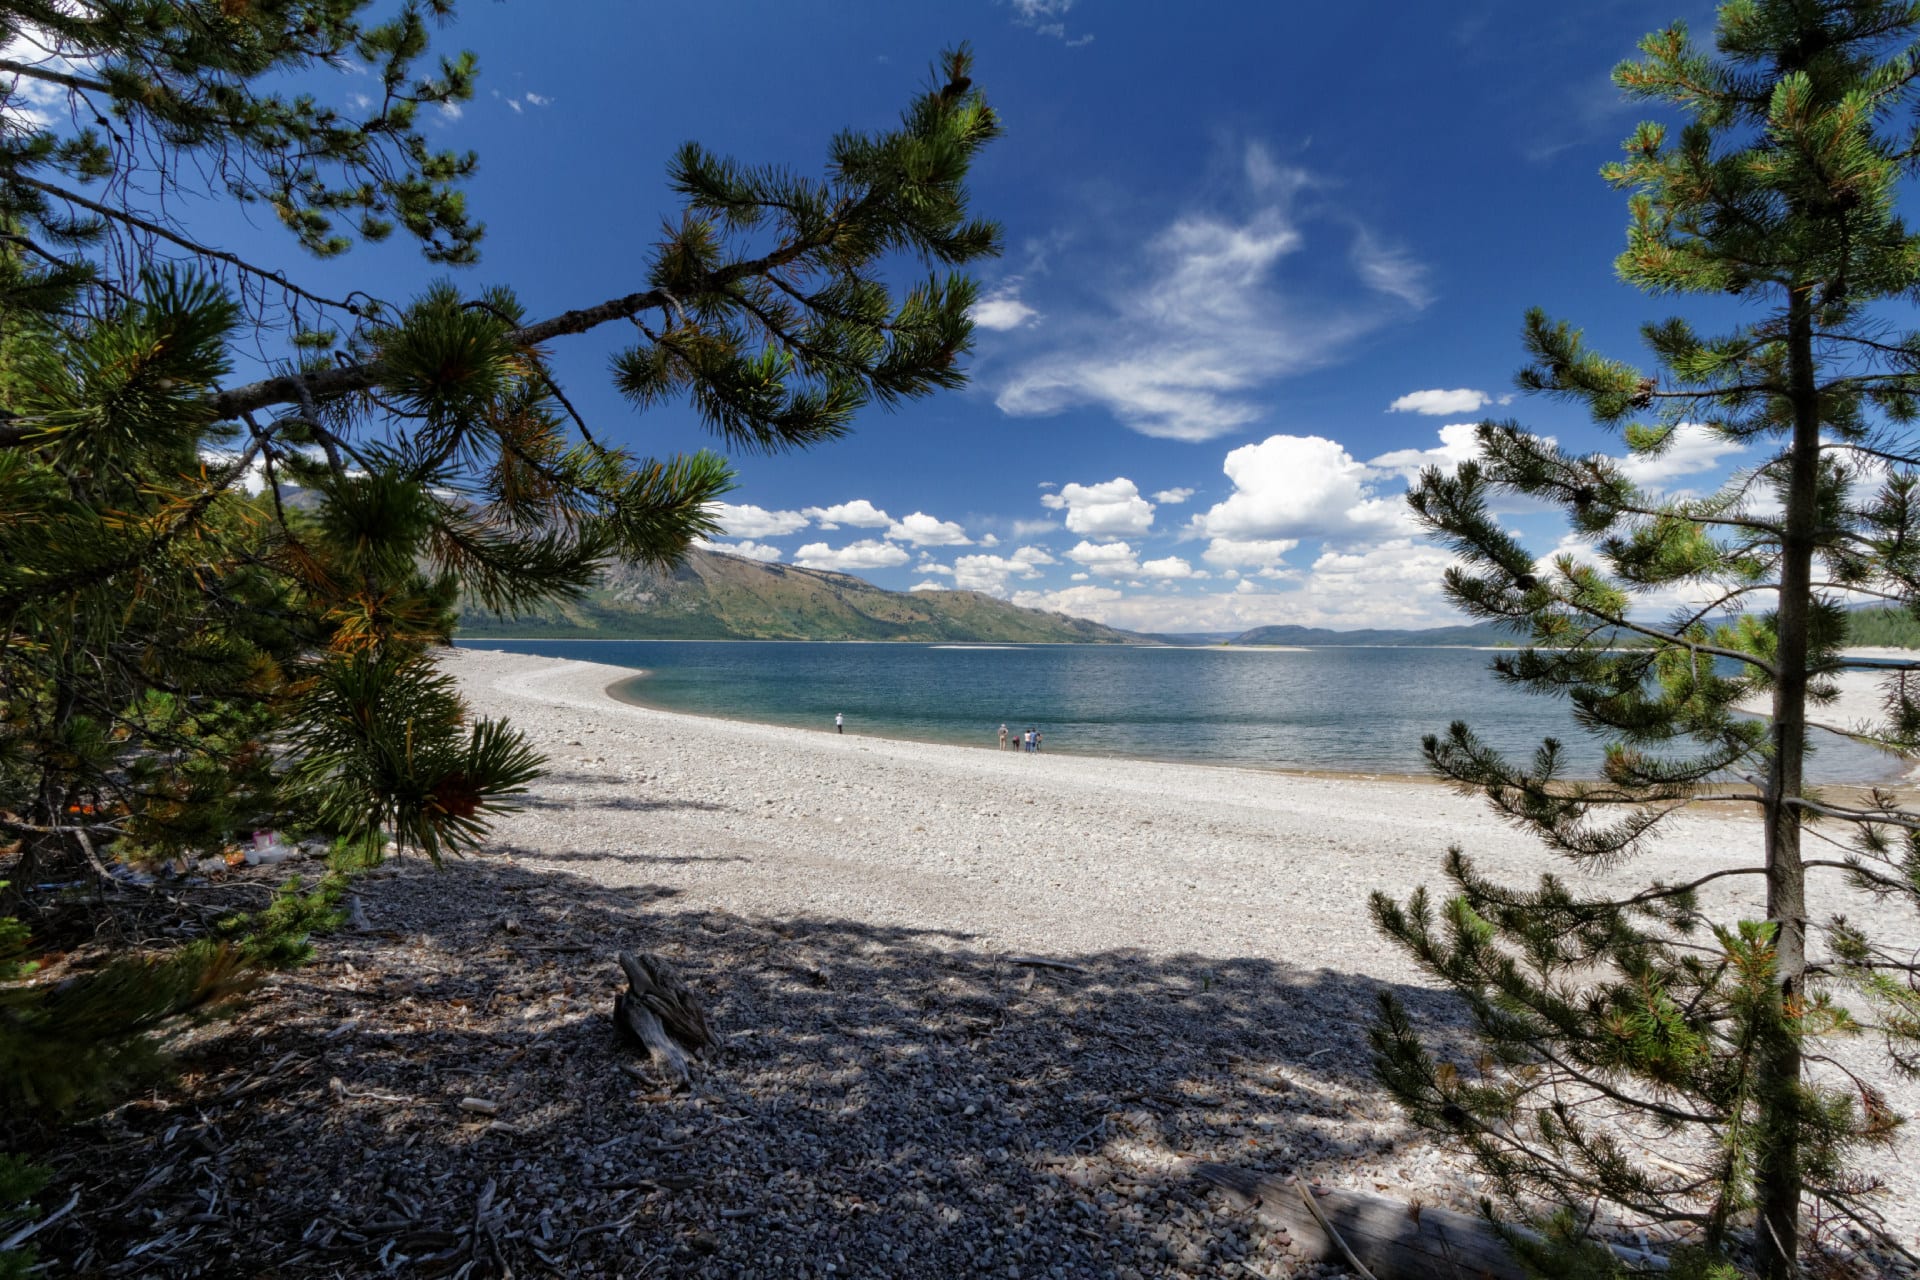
x: 1393, y: 1239
x: 659, y: 1013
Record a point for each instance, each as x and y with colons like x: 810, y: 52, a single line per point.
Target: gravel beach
x: 982, y: 1013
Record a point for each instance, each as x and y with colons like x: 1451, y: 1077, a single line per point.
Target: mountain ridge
x: 715, y: 596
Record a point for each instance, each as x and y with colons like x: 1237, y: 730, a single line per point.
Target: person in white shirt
x: 839, y: 723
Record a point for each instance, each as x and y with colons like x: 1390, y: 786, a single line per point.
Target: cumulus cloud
x: 869, y: 553
x: 1173, y: 497
x: 748, y: 548
x: 1457, y: 444
x: 1111, y: 509
x: 744, y: 520
x: 1108, y: 559
x: 1251, y: 552
x: 922, y: 530
x: 1171, y: 567
x: 1296, y: 486
x: 1437, y: 402
x: 990, y: 573
x: 859, y: 513
x: 1079, y: 602
x: 1002, y: 310
x: 1691, y: 448
x: 1181, y: 346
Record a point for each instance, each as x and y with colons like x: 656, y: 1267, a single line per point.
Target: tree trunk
x: 1777, y: 1176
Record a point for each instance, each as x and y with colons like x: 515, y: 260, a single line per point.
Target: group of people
x: 1028, y: 741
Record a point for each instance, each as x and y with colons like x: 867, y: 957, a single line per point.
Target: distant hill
x: 1477, y: 635
x: 1868, y: 626
x: 714, y: 596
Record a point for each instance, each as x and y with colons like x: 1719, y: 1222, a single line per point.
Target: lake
x: 1360, y: 710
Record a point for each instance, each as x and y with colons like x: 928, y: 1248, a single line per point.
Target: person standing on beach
x: 1036, y: 742
x: 839, y: 723
x: 1003, y: 737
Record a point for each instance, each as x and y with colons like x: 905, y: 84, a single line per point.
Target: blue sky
x: 1262, y: 261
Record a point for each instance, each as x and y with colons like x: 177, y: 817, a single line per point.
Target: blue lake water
x: 1332, y: 709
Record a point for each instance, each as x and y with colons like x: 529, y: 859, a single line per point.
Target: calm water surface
x: 1335, y: 709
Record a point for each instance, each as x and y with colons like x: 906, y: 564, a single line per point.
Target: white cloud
x: 1691, y: 448
x: 1458, y: 443
x: 990, y: 573
x: 749, y: 549
x: 1078, y: 602
x: 1028, y: 528
x: 1113, y: 508
x: 1437, y: 402
x: 922, y: 530
x: 1297, y: 486
x: 1108, y: 559
x: 1391, y: 584
x: 451, y: 110
x: 1171, y: 567
x: 539, y: 100
x: 1002, y: 310
x: 929, y: 586
x: 1231, y: 552
x: 869, y: 553
x: 24, y: 101
x: 748, y: 521
x: 859, y: 513
x: 1181, y: 348
x: 515, y: 104
x: 1173, y: 497
x: 1390, y: 270
x: 989, y: 540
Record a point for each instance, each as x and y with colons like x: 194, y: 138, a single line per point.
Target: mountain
x: 714, y: 596
x: 1479, y: 635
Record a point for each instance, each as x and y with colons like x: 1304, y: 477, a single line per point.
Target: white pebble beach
x: 1055, y: 855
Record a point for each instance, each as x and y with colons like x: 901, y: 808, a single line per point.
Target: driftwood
x: 658, y: 1013
x: 1391, y: 1238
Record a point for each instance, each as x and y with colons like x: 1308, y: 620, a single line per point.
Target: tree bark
x: 1777, y: 1173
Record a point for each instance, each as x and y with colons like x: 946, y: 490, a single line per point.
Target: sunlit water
x: 1333, y: 709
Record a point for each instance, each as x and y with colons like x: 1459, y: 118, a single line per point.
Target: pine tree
x: 1636, y: 1051
x: 181, y: 659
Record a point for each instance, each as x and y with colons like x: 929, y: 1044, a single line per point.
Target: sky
x: 1263, y: 262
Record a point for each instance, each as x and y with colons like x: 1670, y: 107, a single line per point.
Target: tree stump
x: 659, y: 1014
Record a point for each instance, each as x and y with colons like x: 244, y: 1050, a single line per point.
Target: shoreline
x: 1857, y: 703
x: 635, y: 674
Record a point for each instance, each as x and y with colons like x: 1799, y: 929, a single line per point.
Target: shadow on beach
x: 886, y: 1099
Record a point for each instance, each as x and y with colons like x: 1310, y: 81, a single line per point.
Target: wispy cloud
x: 1044, y: 17
x: 1389, y: 270
x: 1182, y: 345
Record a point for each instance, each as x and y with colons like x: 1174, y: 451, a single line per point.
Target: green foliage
x: 20, y: 1181
x: 182, y: 659
x: 1601, y: 1015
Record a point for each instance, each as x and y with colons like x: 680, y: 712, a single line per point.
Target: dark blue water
x: 1334, y: 709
